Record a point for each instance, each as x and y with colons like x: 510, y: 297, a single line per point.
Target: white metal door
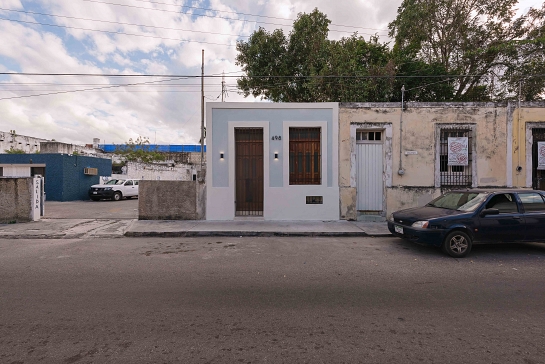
x: 370, y: 188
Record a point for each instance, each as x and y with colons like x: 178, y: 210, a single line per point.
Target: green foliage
x: 305, y: 66
x: 139, y: 151
x: 480, y: 43
x: 12, y: 150
x: 444, y: 50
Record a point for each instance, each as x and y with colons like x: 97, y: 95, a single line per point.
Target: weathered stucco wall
x: 150, y: 171
x: 421, y: 123
x: 529, y: 115
x: 171, y: 200
x: 15, y: 199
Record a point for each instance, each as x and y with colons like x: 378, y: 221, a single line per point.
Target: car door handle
x: 517, y: 217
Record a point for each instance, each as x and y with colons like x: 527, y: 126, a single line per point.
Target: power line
x: 239, y: 13
x: 253, y: 76
x: 120, y: 33
x: 122, y: 23
x: 71, y: 91
x: 209, y: 16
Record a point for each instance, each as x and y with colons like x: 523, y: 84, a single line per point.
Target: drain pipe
x: 519, y: 167
x: 401, y: 171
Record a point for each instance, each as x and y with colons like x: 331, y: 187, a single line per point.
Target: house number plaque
x: 276, y: 137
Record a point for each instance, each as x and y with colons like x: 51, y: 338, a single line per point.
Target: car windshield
x: 461, y: 201
x: 115, y: 182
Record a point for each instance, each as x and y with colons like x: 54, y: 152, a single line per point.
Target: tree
x: 139, y: 151
x: 478, y: 43
x: 307, y: 67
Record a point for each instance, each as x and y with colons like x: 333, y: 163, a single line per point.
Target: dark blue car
x: 457, y: 219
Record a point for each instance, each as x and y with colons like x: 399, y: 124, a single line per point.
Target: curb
x: 189, y: 234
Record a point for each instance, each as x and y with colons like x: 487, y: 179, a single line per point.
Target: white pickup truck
x: 114, y: 189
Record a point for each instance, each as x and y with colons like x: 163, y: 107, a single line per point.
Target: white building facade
x: 272, y: 161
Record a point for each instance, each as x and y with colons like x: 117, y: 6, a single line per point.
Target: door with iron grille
x: 538, y: 175
x: 249, y: 171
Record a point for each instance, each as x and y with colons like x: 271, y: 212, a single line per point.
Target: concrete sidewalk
x: 256, y: 228
x: 116, y: 228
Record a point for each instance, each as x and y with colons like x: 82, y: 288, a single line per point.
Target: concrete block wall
x: 171, y: 200
x: 15, y: 199
x: 151, y: 171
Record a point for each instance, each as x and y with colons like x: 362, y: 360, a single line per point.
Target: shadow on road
x: 496, y: 251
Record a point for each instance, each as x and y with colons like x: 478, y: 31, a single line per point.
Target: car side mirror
x: 489, y: 212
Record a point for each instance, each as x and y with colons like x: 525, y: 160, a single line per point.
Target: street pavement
x: 268, y: 300
x: 109, y: 219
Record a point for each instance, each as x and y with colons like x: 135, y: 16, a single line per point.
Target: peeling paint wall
x: 151, y: 171
x: 523, y: 118
x: 421, y: 124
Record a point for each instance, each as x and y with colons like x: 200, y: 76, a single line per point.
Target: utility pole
x: 223, y: 92
x: 202, y: 111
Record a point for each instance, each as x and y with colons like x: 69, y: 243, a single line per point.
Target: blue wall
x: 64, y: 178
x: 177, y: 148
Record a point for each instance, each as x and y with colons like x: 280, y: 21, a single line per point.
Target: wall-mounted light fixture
x: 221, y: 155
x: 275, y: 155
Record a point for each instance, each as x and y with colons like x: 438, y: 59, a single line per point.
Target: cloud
x: 170, y: 43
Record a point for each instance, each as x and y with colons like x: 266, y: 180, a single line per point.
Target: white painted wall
x: 16, y: 170
x: 22, y: 142
x: 280, y: 203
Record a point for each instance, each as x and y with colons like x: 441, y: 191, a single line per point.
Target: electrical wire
x: 71, y: 91
x: 210, y: 16
x: 122, y: 23
x: 119, y: 33
x: 239, y: 13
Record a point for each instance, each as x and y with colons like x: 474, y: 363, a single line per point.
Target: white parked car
x: 114, y: 189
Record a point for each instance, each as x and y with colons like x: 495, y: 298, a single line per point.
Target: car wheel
x: 95, y: 198
x: 457, y: 244
x: 117, y: 196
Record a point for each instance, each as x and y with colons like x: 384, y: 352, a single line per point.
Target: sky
x: 142, y: 38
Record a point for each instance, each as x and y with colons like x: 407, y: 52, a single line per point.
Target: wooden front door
x: 249, y: 171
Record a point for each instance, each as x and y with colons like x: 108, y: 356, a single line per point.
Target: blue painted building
x: 173, y: 148
x: 67, y: 177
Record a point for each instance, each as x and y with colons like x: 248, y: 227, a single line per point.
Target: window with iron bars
x: 305, y: 157
x: 455, y: 176
x: 538, y: 175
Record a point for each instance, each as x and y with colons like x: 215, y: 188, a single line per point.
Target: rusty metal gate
x: 249, y: 171
x: 538, y: 176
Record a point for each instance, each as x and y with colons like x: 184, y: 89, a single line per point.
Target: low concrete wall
x: 16, y: 199
x: 171, y: 200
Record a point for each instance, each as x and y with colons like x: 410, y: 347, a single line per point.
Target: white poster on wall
x: 458, y: 151
x: 541, y: 155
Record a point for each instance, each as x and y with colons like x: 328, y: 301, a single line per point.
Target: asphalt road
x: 268, y: 300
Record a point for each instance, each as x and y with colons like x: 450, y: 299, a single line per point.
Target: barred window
x: 455, y: 175
x: 305, y: 156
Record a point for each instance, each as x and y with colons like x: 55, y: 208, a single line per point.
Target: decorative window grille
x: 305, y: 157
x: 455, y: 176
